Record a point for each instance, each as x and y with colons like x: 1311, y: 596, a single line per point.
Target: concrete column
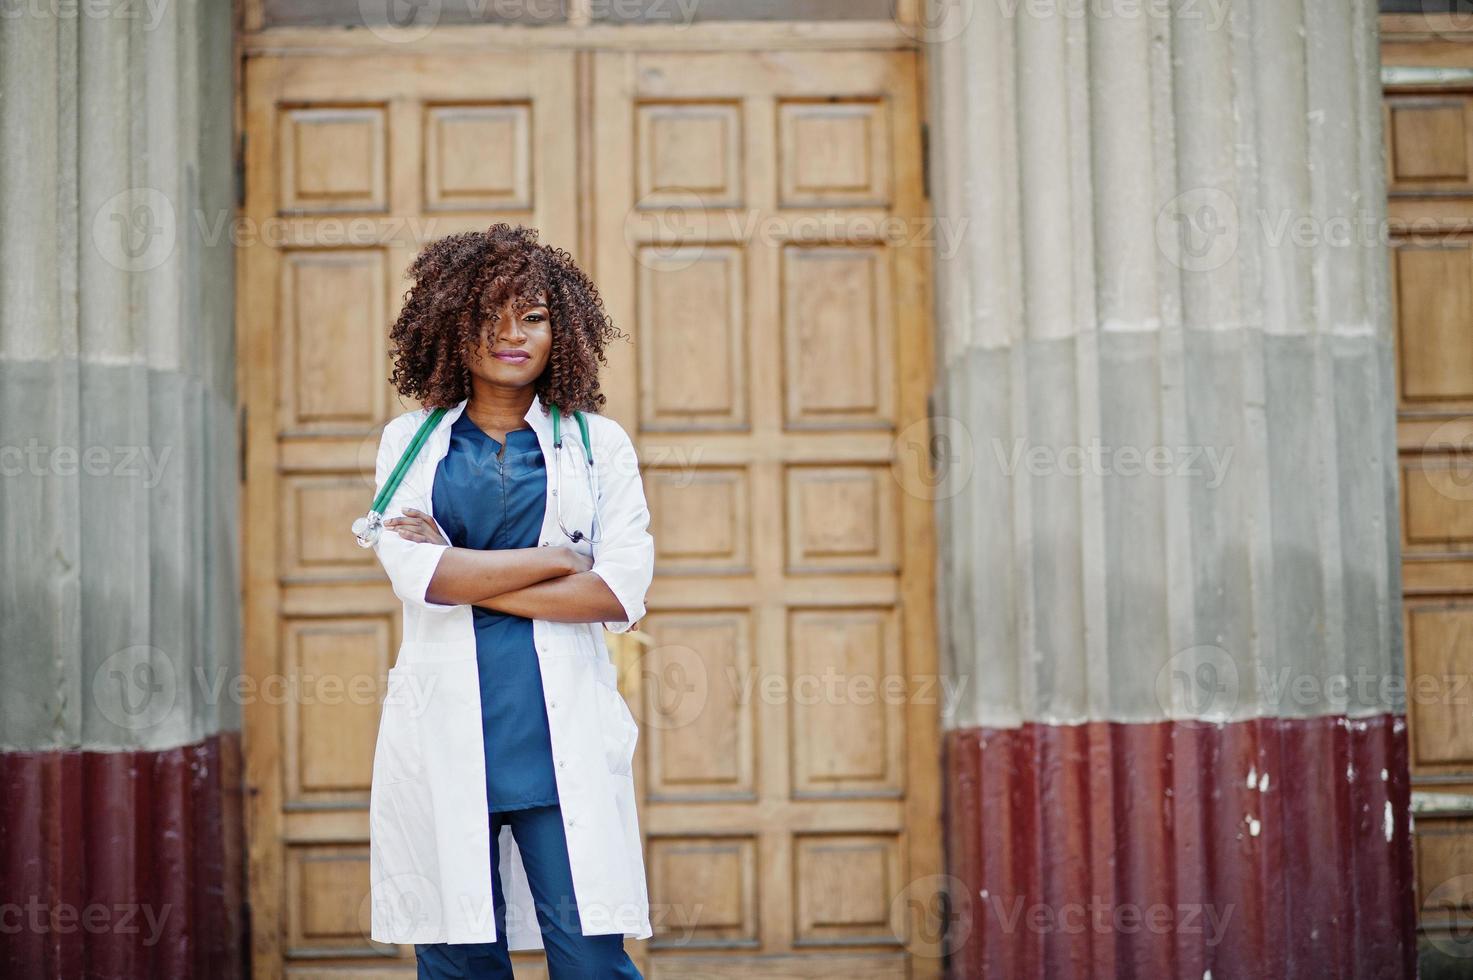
x: 120, y: 840
x: 1170, y: 567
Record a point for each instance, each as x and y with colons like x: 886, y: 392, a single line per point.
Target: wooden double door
x: 1427, y: 109
x: 738, y: 211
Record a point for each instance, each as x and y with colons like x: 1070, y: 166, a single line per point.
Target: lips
x: 513, y: 356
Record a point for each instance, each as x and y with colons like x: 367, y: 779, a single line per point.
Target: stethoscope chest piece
x: 367, y: 529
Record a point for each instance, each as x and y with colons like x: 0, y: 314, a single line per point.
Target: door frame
x: 260, y: 598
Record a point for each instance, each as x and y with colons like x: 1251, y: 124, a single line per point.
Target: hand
x: 416, y: 526
x: 577, y: 561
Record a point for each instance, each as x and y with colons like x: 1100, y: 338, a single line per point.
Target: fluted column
x: 1170, y: 548
x: 120, y: 838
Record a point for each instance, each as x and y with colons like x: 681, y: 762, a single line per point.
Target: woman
x: 503, y: 720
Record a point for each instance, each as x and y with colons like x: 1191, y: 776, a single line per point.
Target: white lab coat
x: 429, y: 829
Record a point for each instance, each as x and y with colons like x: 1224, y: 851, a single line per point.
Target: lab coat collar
x: 538, y: 419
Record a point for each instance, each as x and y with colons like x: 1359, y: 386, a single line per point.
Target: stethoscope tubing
x: 592, y: 474
x: 557, y: 448
x: 366, y: 529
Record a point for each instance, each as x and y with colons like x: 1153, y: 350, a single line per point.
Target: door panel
x: 782, y: 349
x: 352, y: 164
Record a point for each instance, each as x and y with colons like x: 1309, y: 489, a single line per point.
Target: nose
x: 511, y: 328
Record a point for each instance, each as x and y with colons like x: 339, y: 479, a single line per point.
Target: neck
x: 497, y: 406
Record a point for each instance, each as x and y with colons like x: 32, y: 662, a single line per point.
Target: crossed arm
x: 554, y: 584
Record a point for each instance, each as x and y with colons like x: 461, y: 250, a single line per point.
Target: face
x: 516, y: 343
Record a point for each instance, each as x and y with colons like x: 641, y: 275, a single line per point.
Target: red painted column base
x: 1274, y: 848
x: 123, y: 864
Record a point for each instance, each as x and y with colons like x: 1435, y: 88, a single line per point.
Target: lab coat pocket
x: 620, y: 731
x: 397, y: 756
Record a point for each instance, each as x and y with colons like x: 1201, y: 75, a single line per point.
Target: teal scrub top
x: 488, y: 498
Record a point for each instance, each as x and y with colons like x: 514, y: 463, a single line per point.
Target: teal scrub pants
x: 571, y: 955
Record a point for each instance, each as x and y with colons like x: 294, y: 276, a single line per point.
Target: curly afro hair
x: 460, y: 280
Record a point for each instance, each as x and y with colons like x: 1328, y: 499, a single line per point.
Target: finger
x: 411, y: 512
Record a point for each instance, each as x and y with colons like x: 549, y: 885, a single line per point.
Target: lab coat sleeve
x: 625, y: 557
x: 410, y: 564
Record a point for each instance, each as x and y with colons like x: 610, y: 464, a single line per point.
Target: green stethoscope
x: 368, y: 527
